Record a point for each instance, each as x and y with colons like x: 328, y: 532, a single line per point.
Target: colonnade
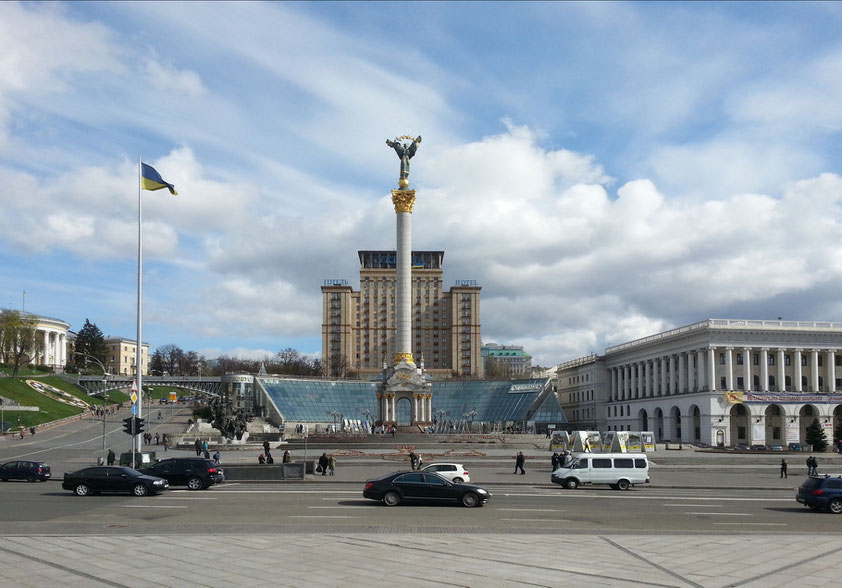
x: 422, y: 407
x: 53, y: 351
x: 758, y: 369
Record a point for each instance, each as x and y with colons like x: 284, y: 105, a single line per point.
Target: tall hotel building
x: 359, y: 328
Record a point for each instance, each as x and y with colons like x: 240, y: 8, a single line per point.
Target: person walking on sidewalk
x: 198, y: 446
x: 783, y: 468
x: 519, y: 461
x: 323, y: 461
x: 110, y: 458
x: 331, y: 464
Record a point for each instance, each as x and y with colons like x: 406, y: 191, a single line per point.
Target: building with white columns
x: 725, y: 382
x: 51, y: 335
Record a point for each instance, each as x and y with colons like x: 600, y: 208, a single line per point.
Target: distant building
x: 121, y: 356
x: 580, y: 387
x: 359, y: 328
x: 715, y: 382
x: 51, y: 335
x: 505, y: 360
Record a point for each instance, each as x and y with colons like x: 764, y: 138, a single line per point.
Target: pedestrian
x: 287, y: 457
x: 269, y: 459
x: 413, y: 459
x: 554, y: 461
x: 394, y: 430
x: 159, y: 415
x: 266, y: 446
x: 166, y: 443
x: 815, y: 466
x: 519, y: 461
x: 110, y: 458
x: 810, y: 467
x: 418, y: 462
x: 261, y: 459
x: 157, y: 439
x: 783, y: 469
x: 323, y: 463
x: 198, y: 445
x: 216, y: 457
x: 331, y: 464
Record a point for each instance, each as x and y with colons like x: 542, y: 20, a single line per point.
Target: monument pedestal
x: 406, y: 381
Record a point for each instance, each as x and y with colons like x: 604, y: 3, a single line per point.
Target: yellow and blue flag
x: 152, y: 180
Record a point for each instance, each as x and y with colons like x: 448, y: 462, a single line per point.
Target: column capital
x: 403, y: 200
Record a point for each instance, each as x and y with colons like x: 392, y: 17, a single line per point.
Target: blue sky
x: 603, y: 170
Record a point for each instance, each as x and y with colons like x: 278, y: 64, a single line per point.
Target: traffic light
x: 127, y: 425
x: 138, y: 425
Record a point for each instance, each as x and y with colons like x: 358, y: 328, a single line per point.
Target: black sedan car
x: 423, y: 487
x: 98, y: 479
x: 194, y: 472
x: 31, y: 471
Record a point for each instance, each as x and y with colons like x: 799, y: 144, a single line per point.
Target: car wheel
x: 195, y: 484
x: 5, y: 479
x: 31, y: 478
x: 82, y: 490
x: 623, y: 485
x: 835, y: 506
x: 391, y: 499
x: 140, y: 490
x: 458, y: 480
x: 470, y: 499
x: 571, y: 483
x: 613, y: 486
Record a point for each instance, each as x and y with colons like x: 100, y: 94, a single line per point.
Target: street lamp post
x: 367, y: 414
x: 104, y: 391
x: 469, y: 416
x: 440, y: 412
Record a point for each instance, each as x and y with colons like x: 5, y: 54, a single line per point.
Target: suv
x: 31, y: 471
x: 455, y: 472
x: 194, y: 472
x: 820, y: 493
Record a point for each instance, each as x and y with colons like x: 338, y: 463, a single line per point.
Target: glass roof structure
x: 305, y: 400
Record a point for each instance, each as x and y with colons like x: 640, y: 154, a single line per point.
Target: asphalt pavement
x: 454, y: 556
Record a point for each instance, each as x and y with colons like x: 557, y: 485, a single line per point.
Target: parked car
x: 775, y: 447
x: 196, y: 473
x: 741, y: 447
x: 795, y: 447
x: 31, y: 471
x: 455, y: 472
x: 400, y: 487
x: 821, y: 493
x: 758, y: 447
x: 98, y: 479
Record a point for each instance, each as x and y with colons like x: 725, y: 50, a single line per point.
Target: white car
x: 455, y: 472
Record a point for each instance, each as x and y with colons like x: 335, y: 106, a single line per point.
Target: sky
x: 604, y: 171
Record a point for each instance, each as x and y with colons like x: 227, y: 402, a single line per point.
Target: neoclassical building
x: 51, y: 335
x: 724, y: 382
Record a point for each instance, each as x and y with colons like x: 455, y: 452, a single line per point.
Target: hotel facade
x: 716, y: 382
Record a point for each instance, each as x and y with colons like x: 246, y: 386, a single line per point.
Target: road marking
x: 721, y: 514
x: 699, y: 505
x: 357, y: 493
x: 149, y: 506
x: 340, y: 506
x: 531, y: 509
x: 764, y: 524
x: 321, y: 517
x: 186, y: 498
x: 538, y: 520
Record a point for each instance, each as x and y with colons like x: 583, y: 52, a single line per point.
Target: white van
x: 618, y: 470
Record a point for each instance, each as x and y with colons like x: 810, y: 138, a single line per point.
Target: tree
x: 497, y: 370
x: 156, y: 363
x: 18, y: 343
x: 91, y: 342
x: 173, y: 358
x: 815, y: 436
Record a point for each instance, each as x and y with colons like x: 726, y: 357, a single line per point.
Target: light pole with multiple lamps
x: 469, y: 416
x: 367, y: 414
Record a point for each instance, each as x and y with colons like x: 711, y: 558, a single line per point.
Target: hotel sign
x: 526, y: 388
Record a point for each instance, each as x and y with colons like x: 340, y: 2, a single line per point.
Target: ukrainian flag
x: 152, y: 180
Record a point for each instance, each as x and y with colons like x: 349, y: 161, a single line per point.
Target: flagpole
x: 139, y: 348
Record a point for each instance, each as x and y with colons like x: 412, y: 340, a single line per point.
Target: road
x: 706, y: 521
